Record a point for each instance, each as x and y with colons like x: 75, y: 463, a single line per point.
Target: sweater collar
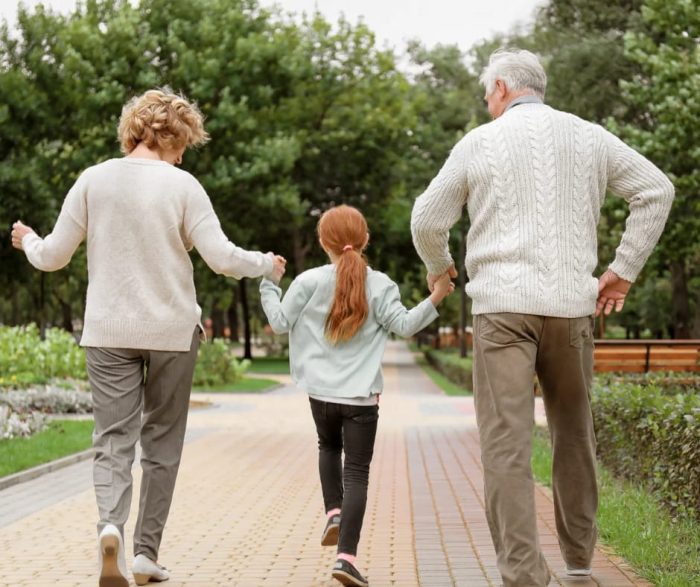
x: 523, y: 100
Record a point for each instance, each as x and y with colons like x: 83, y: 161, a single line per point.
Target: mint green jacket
x: 348, y: 369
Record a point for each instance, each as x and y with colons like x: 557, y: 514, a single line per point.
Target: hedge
x: 452, y: 366
x: 648, y: 430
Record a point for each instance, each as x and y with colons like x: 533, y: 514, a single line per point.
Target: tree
x: 665, y: 128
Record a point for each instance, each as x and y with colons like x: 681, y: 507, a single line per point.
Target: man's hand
x: 19, y: 231
x: 451, y: 272
x: 612, y: 291
x: 279, y: 265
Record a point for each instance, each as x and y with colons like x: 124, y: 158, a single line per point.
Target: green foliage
x: 663, y: 96
x: 25, y: 359
x: 451, y: 365
x: 60, y: 438
x: 217, y: 365
x: 270, y: 365
x: 650, y: 432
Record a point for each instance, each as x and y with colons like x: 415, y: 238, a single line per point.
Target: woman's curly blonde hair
x: 162, y: 120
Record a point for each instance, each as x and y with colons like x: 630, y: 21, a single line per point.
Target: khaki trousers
x: 509, y: 349
x: 139, y: 394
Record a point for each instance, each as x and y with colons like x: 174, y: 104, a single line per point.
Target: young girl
x: 339, y: 317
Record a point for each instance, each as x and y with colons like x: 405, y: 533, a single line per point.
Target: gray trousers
x: 139, y: 394
x: 509, y: 349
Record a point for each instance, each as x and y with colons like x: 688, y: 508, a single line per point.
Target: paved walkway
x: 248, y: 511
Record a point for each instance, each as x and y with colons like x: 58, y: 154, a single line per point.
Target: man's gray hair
x: 519, y: 69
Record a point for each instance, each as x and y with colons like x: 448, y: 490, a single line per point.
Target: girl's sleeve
x: 394, y: 316
x: 282, y: 314
x: 55, y: 250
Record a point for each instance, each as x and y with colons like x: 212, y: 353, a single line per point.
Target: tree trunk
x: 66, y: 315
x: 16, y: 312
x: 217, y: 320
x: 681, y: 305
x: 232, y: 314
x: 42, y: 305
x: 247, y: 352
x: 300, y: 250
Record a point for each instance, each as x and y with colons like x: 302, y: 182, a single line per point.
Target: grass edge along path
x: 245, y: 385
x: 59, y: 439
x: 439, y: 379
x: 270, y: 365
x: 662, y: 549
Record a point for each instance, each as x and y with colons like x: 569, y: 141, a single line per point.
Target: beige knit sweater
x: 534, y: 181
x: 140, y: 218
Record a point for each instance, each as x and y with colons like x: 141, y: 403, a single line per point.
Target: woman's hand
x: 279, y: 265
x: 19, y: 231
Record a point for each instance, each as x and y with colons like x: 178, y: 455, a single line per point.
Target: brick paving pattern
x: 248, y: 510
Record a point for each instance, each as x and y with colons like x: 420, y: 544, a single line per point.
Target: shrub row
x: 25, y: 359
x: 217, y: 365
x: 648, y: 430
x: 451, y: 365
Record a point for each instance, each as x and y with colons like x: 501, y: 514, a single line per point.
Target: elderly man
x: 533, y: 181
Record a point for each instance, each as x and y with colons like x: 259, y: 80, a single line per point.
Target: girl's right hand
x: 442, y: 288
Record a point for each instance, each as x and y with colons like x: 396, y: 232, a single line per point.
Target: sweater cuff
x: 269, y: 285
x: 625, y: 270
x: 268, y: 262
x: 439, y: 267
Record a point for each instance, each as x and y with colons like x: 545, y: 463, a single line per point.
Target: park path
x: 248, y: 512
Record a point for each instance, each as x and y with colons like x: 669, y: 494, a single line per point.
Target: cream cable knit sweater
x: 140, y: 218
x: 534, y: 181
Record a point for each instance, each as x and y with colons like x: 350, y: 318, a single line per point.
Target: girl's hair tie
x: 347, y: 248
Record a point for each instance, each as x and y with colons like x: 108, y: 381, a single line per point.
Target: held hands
x: 19, y: 231
x: 432, y: 279
x: 612, y: 291
x: 279, y: 266
x: 442, y: 287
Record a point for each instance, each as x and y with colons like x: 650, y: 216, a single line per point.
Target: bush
x: 217, y: 365
x: 13, y: 424
x: 25, y: 359
x: 651, y: 433
x: 452, y: 366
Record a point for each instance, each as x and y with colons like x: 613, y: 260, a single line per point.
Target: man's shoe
x: 146, y: 571
x: 347, y: 574
x: 330, y: 534
x: 578, y: 572
x: 110, y: 558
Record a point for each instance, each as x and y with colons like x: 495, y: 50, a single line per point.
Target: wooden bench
x: 641, y: 356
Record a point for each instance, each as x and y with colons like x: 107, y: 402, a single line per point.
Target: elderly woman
x: 140, y: 216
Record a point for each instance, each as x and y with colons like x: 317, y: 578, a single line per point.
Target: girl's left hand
x: 19, y: 231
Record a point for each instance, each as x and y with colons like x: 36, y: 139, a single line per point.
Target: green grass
x: 61, y: 438
x: 440, y: 380
x: 664, y: 550
x: 246, y: 385
x: 270, y: 366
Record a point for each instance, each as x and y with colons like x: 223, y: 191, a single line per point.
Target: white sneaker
x: 578, y: 572
x: 110, y: 558
x: 145, y: 570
